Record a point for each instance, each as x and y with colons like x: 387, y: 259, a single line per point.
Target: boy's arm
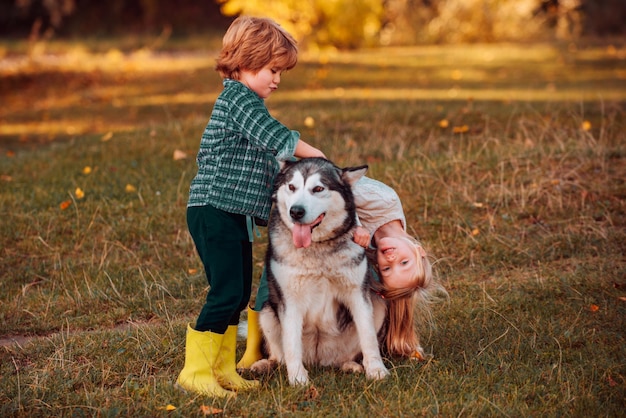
x: 304, y: 150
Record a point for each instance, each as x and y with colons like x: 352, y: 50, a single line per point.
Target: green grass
x: 522, y: 210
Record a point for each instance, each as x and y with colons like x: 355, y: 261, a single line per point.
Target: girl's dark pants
x: 221, y: 239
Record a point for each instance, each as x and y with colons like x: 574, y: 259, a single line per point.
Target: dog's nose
x: 297, y: 212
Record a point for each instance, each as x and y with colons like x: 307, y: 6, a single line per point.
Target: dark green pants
x: 221, y: 239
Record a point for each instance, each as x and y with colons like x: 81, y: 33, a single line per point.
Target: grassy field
x: 510, y: 161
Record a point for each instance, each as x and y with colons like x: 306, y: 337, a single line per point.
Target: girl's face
x: 397, y: 262
x: 264, y: 82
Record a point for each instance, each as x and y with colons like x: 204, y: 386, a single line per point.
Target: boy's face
x: 262, y: 83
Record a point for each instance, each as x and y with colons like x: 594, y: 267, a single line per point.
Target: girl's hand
x: 361, y: 236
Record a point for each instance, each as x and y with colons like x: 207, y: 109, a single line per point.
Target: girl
x: 401, y: 265
x: 237, y: 163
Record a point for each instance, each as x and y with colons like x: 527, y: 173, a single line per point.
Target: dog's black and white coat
x: 320, y: 308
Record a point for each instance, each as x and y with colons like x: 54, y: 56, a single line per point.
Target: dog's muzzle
x: 301, y: 232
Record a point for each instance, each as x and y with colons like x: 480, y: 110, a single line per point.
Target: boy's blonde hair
x: 252, y: 43
x: 404, y: 304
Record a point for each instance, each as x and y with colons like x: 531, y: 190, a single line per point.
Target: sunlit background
x: 71, y: 67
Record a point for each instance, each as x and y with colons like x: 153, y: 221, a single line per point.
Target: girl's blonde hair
x: 404, y: 304
x: 252, y: 43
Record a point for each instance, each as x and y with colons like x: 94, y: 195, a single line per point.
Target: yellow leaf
x: 192, y: 271
x: 107, y: 137
x: 130, y: 188
x: 168, y: 407
x: 65, y: 204
x: 475, y: 232
x: 585, y: 126
x: 309, y: 122
x: 443, y: 123
x: 460, y: 129
x: 79, y: 193
x: 87, y: 170
x: 209, y: 410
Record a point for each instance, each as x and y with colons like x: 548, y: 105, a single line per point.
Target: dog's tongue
x: 301, y: 235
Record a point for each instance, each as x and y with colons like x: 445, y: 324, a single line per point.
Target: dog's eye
x: 292, y: 188
x: 318, y: 189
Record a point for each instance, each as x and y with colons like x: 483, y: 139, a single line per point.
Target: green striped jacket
x: 237, y: 159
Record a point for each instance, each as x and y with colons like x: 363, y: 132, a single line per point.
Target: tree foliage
x: 340, y: 23
x: 353, y: 23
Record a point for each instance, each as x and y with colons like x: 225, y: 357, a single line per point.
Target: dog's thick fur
x: 320, y: 309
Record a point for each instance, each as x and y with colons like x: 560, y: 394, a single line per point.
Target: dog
x: 320, y: 309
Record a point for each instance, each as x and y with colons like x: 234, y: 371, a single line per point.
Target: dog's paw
x: 263, y: 366
x: 376, y: 371
x: 299, y: 377
x: 351, y: 367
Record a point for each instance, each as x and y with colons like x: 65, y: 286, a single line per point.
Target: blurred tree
x: 49, y: 14
x: 19, y: 18
x: 340, y: 23
x: 484, y: 21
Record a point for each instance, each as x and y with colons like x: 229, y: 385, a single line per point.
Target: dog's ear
x: 352, y: 174
x: 286, y: 163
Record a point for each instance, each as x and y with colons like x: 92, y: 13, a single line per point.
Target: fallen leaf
x: 168, y: 407
x: 460, y: 129
x: 6, y: 177
x: 475, y: 232
x: 622, y: 298
x: 312, y: 393
x: 209, y: 410
x: 10, y: 154
x: 79, y: 193
x: 612, y: 382
x: 443, y: 123
x: 106, y: 137
x: 192, y: 271
x: 594, y: 308
x: 585, y: 126
x: 87, y: 170
x: 65, y: 204
x: 309, y: 122
x: 130, y: 188
x: 180, y: 155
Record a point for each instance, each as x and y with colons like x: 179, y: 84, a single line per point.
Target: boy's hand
x: 361, y: 236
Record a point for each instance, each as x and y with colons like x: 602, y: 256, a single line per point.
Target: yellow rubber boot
x: 253, y: 342
x: 225, y: 370
x: 201, y: 352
